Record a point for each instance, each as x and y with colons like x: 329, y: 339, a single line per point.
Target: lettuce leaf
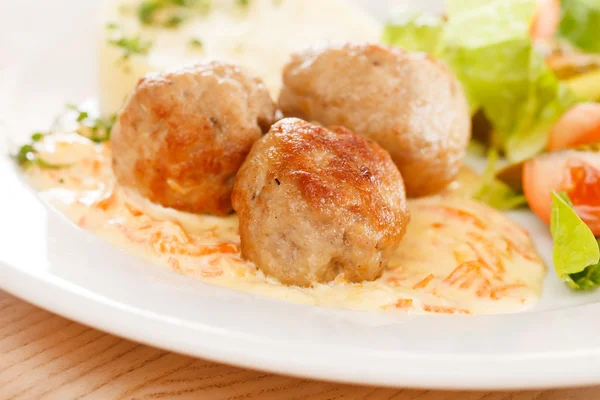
x: 580, y: 24
x: 416, y: 31
x: 495, y: 192
x: 481, y: 23
x: 545, y: 100
x: 585, y: 86
x: 486, y: 44
x: 576, y: 252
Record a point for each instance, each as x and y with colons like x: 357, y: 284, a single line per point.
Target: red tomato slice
x: 578, y: 126
x: 546, y: 20
x: 575, y: 172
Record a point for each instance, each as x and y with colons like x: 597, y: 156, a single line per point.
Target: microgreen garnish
x: 36, y: 137
x: 25, y: 155
x: 94, y: 128
x: 28, y: 154
x: 170, y: 13
x: 146, y: 11
x: 129, y: 45
x: 173, y: 21
x: 196, y: 43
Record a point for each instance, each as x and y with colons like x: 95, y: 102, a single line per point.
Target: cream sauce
x: 458, y: 256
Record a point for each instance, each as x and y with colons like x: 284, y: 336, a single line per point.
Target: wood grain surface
x: 44, y: 356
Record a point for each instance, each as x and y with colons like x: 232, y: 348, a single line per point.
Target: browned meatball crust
x: 314, y: 203
x: 407, y: 102
x: 183, y: 134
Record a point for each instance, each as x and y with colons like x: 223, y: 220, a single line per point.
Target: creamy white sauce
x: 259, y: 37
x: 458, y: 256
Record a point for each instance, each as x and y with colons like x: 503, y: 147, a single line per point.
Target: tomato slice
x: 546, y: 20
x: 576, y: 173
x: 578, y: 126
x: 583, y: 188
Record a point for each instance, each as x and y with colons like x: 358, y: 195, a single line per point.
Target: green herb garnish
x: 170, y: 13
x: 44, y: 164
x: 146, y: 11
x: 28, y: 154
x: 131, y: 45
x: 196, y: 43
x: 83, y: 115
x: 95, y: 129
x: 173, y: 21
x: 36, y: 137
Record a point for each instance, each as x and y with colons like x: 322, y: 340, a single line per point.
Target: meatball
x: 183, y: 134
x: 408, y: 103
x: 314, y: 203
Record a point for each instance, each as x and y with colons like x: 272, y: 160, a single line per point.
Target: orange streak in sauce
x: 423, y: 282
x: 445, y: 310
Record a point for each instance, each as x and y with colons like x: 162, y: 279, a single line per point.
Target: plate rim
x: 73, y: 302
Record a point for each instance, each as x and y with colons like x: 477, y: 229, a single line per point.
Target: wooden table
x: 43, y: 355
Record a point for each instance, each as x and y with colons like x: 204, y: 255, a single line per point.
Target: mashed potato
x: 256, y: 34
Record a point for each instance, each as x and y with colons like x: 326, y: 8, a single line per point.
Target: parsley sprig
x: 96, y: 129
x: 28, y: 154
x: 196, y: 43
x: 170, y: 13
x: 129, y: 45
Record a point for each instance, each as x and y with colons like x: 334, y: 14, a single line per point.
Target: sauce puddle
x: 458, y: 256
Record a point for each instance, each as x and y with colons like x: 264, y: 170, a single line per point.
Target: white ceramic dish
x: 48, y: 59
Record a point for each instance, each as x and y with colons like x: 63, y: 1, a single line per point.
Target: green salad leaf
x: 576, y: 252
x: 495, y: 192
x: 416, y: 31
x: 481, y: 23
x: 486, y: 44
x: 580, y: 24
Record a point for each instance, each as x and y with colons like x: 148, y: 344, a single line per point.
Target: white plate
x: 47, y: 60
